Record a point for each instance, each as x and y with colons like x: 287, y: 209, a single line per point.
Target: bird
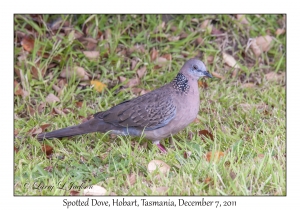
x: 157, y: 114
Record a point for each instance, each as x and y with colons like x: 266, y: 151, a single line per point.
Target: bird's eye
x: 195, y: 67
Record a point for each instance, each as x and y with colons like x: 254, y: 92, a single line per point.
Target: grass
x: 252, y: 139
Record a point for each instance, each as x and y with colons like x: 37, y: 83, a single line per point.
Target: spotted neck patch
x: 181, y: 83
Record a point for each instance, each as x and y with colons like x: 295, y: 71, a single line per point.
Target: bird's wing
x: 150, y: 111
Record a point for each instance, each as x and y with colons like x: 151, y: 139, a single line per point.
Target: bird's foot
x: 161, y: 148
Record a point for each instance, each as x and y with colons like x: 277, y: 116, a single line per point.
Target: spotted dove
x: 157, y: 114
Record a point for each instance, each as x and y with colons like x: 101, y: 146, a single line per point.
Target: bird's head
x: 195, y: 69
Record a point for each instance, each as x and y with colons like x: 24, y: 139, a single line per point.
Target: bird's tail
x: 90, y: 126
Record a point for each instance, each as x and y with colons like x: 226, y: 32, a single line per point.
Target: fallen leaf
x: 18, y: 89
x: 16, y: 150
x: 207, y: 180
x: 79, y: 104
x: 158, y: 164
x: 136, y: 90
x: 242, y: 19
x: 141, y: 71
x: 232, y: 175
x: 273, y: 76
x: 51, y: 98
x: 58, y: 111
x: 122, y: 79
x: 248, y: 107
x: 133, y: 82
x: 27, y: 43
x: 48, y: 150
x: 44, y: 126
x: 92, y: 55
x: 206, y: 134
x: 217, y: 155
x: 205, y: 24
x: 217, y: 75
x: 187, y: 154
x: 41, y: 107
x: 57, y: 89
x: 98, y: 86
x: 35, y: 131
x: 199, y: 41
x: 74, y: 192
x: 261, y: 44
x: 95, y: 190
x: 210, y: 59
x: 133, y: 63
x: 173, y: 38
x: 167, y: 56
x: 160, y: 190
x: 230, y: 61
x: 153, y: 54
x: 161, y: 61
x: 248, y: 85
x: 280, y: 31
x: 131, y: 178
x: 202, y: 84
x: 77, y: 71
x: 144, y: 92
x: 216, y: 31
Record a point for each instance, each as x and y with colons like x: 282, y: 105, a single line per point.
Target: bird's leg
x: 160, y: 146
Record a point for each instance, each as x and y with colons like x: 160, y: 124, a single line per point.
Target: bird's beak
x: 207, y: 74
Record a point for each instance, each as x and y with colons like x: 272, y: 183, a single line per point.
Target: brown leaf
x: 41, y: 107
x: 242, y: 19
x: 217, y: 155
x: 202, y: 84
x: 167, y: 56
x: 136, y: 90
x: 160, y: 190
x: 74, y: 192
x: 122, y: 79
x: 187, y: 154
x: 16, y: 150
x: 153, y: 54
x: 280, y: 31
x: 260, y: 107
x: 144, y: 92
x: 230, y: 61
x: 161, y: 61
x: 131, y: 178
x: 205, y: 24
x: 161, y: 165
x: 44, y: 126
x: 79, y: 72
x: 95, y: 190
x: 79, y: 104
x: 48, y: 150
x: 27, y: 43
x: 248, y: 85
x: 199, y: 41
x: 217, y: 75
x: 51, y: 98
x: 58, y: 111
x: 210, y: 59
x: 273, y: 76
x: 35, y: 131
x: 31, y: 110
x: 216, y: 31
x: 133, y: 82
x: 18, y: 89
x: 133, y: 63
x: 173, y: 38
x: 232, y: 175
x: 207, y: 134
x: 207, y: 180
x: 141, y: 72
x: 57, y: 89
x: 92, y: 55
x: 261, y: 44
